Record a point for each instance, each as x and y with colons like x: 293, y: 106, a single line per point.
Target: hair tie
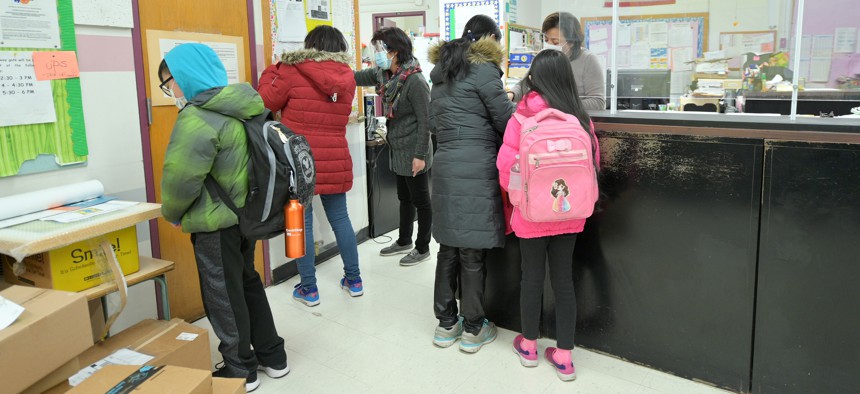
x: 470, y: 35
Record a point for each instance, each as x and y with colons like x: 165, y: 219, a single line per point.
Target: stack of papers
x: 718, y: 68
x: 710, y: 88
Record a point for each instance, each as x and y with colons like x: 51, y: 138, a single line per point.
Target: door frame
x: 145, y: 119
x: 377, y: 18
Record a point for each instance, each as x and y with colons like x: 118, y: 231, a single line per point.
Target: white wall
x: 750, y: 15
x: 109, y: 95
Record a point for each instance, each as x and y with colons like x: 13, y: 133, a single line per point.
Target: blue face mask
x: 382, y: 60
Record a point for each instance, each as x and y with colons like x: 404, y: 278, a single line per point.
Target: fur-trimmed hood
x: 304, y: 55
x: 328, y: 71
x: 485, y: 50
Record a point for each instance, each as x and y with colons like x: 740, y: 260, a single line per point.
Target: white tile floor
x: 381, y: 343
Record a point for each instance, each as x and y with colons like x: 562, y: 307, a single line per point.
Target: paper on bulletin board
x: 319, y: 10
x: 822, y: 46
x: 640, y: 55
x: 845, y: 40
x: 659, y: 34
x: 56, y: 65
x: 819, y: 70
x: 32, y: 99
x: 659, y: 58
x: 624, y: 35
x: 29, y: 24
x: 681, y: 58
x: 292, y: 26
x: 598, y: 47
x: 639, y: 33
x: 598, y: 34
x: 681, y: 35
x: 622, y: 57
x: 230, y: 49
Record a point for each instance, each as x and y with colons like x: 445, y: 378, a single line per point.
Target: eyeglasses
x: 164, y: 87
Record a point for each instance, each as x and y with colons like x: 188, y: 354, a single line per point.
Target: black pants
x: 535, y: 251
x: 235, y: 302
x: 465, y: 266
x: 414, y: 194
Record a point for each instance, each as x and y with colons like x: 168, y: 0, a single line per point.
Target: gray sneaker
x: 414, y: 258
x: 445, y: 337
x: 472, y: 343
x: 395, y: 248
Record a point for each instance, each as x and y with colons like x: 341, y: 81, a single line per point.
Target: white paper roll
x: 22, y: 204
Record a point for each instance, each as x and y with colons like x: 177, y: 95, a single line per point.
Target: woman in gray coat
x: 469, y: 111
x: 405, y: 101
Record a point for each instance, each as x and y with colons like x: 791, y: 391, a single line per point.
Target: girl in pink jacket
x: 551, y: 85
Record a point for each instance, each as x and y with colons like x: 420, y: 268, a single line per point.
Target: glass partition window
x: 717, y: 56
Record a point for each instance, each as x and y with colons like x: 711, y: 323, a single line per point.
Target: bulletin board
x: 64, y: 141
x: 455, y: 14
x: 649, y: 41
x: 290, y: 20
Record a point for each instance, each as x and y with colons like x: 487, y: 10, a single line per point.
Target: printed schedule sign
x: 29, y: 24
x: 31, y: 100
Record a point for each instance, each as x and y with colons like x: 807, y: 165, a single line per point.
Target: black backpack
x: 281, y: 167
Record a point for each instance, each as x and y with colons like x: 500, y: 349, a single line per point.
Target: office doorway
x: 412, y: 22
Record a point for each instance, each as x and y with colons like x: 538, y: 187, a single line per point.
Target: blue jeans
x: 338, y: 217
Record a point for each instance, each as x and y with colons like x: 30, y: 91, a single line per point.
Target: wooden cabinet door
x: 226, y: 17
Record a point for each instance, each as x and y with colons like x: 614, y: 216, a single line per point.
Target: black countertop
x: 738, y: 121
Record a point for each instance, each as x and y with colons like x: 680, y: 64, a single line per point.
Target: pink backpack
x: 554, y: 177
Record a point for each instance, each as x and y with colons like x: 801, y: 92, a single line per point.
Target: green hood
x: 238, y: 101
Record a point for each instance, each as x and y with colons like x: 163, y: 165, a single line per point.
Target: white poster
x: 845, y: 40
x: 639, y: 33
x: 819, y: 70
x: 462, y: 14
x: 319, y: 10
x: 598, y: 47
x: 32, y: 24
x: 640, y: 56
x: 681, y: 58
x: 622, y: 57
x: 227, y: 52
x: 599, y: 34
x: 32, y: 100
x: 822, y: 46
x: 624, y: 35
x: 806, y: 47
x: 291, y: 20
x: 659, y: 34
x: 681, y: 35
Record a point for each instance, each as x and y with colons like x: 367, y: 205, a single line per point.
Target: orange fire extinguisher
x: 294, y: 218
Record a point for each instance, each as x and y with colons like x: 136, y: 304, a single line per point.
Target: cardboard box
x: 228, y: 386
x: 53, y: 330
x: 147, y: 379
x: 74, y: 268
x: 156, y: 338
x: 54, y: 378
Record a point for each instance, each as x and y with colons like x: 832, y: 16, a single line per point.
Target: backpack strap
x: 216, y: 190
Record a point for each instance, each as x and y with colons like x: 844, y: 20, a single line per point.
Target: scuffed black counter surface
x: 724, y: 252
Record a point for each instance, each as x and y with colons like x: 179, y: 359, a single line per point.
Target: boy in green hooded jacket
x: 209, y: 139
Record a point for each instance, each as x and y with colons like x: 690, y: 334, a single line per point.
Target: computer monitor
x: 653, y: 84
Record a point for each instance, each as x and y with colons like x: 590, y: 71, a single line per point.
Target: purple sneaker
x: 527, y: 358
x: 565, y: 372
x: 354, y: 287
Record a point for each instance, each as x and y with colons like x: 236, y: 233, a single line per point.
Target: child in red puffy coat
x: 313, y: 89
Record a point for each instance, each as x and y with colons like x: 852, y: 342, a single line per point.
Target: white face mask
x: 547, y: 46
x: 180, y: 102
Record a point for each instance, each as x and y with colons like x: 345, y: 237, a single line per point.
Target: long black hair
x: 551, y: 76
x: 395, y: 40
x: 453, y: 55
